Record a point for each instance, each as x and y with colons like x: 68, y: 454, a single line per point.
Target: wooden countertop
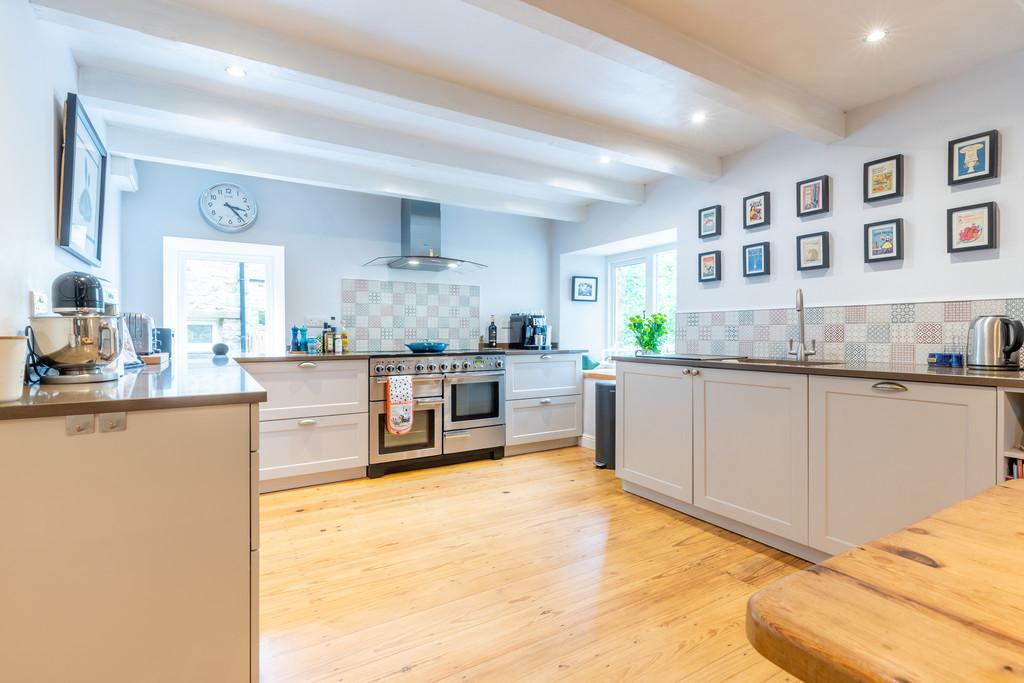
x: 942, y: 600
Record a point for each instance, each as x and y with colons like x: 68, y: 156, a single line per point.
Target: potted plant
x: 649, y: 332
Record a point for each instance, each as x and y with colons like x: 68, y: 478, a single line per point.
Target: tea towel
x: 400, y: 405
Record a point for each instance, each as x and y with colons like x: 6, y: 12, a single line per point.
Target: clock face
x: 228, y: 207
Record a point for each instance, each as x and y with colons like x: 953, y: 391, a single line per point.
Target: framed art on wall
x: 709, y: 266
x: 83, y: 181
x: 883, y: 178
x: 584, y: 288
x: 812, y: 196
x: 757, y: 259
x: 883, y: 241
x: 812, y: 252
x: 969, y: 228
x: 709, y: 221
x: 757, y: 210
x: 975, y: 157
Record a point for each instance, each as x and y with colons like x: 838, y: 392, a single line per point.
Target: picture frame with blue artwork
x: 973, y: 158
x: 883, y: 241
x: 709, y: 221
x: 584, y: 288
x: 757, y: 259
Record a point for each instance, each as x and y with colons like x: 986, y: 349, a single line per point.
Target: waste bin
x: 604, y: 404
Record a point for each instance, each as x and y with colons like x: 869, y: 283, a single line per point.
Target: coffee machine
x: 529, y: 331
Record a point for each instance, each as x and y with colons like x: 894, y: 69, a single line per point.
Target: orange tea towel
x: 400, y: 405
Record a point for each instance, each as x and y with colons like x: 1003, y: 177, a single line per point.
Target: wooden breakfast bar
x: 942, y: 600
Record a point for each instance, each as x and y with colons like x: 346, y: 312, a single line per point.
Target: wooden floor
x: 533, y: 568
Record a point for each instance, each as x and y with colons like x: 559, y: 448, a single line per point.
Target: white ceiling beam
x: 120, y: 91
x: 310, y: 64
x: 630, y: 38
x: 170, y: 148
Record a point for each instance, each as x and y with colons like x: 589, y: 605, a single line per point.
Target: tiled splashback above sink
x: 897, y: 333
x: 382, y: 315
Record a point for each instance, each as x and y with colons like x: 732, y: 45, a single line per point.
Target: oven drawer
x: 424, y: 386
x: 311, y: 387
x: 544, y: 375
x: 312, y: 445
x: 542, y: 419
x: 462, y: 440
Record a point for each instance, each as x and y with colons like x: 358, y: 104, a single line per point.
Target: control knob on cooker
x: 466, y: 365
x: 432, y: 367
x: 499, y: 363
x: 444, y: 367
x: 401, y: 367
x: 390, y: 368
x: 420, y: 367
x: 379, y: 369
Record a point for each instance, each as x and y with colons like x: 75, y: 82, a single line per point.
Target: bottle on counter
x: 303, y: 340
x: 492, y: 334
x: 344, y: 339
x: 328, y: 338
x: 295, y: 338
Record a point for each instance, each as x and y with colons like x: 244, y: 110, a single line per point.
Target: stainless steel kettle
x: 992, y: 341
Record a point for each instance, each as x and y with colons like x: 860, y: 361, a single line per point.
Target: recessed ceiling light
x: 235, y: 71
x: 699, y: 117
x: 605, y: 159
x: 875, y: 35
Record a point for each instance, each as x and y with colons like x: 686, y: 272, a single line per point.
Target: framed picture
x: 883, y: 178
x: 757, y: 259
x: 812, y: 196
x: 584, y: 288
x: 883, y: 241
x: 969, y: 228
x: 757, y: 210
x: 812, y: 251
x: 709, y: 221
x: 975, y: 157
x: 83, y: 181
x: 709, y: 266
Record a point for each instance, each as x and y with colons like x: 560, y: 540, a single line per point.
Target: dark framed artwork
x: 972, y: 158
x: 813, y: 196
x: 883, y: 178
x: 709, y: 266
x: 883, y: 241
x: 757, y: 259
x: 969, y: 228
x: 757, y: 210
x: 812, y: 251
x: 709, y: 221
x: 584, y: 288
x: 83, y: 182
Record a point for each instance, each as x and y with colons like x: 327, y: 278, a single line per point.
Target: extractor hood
x: 421, y: 242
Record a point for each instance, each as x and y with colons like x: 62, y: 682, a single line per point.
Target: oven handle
x: 473, y: 377
x: 461, y: 434
x: 416, y: 378
x: 429, y: 401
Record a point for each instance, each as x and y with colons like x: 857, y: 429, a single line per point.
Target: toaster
x: 142, y: 330
x: 993, y: 341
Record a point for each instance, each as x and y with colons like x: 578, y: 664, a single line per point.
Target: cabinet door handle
x: 888, y: 386
x: 545, y: 357
x: 687, y: 371
x: 695, y: 372
x: 307, y: 422
x: 307, y: 364
x: 545, y: 401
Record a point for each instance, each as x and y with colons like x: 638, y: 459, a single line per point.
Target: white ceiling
x: 500, y: 104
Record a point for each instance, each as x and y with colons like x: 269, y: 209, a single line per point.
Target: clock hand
x: 233, y: 210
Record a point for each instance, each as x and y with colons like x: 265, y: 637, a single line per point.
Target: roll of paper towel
x: 12, y: 367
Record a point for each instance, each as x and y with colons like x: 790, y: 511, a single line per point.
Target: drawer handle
x: 687, y: 371
x: 545, y: 357
x: 307, y: 364
x: 457, y: 435
x: 307, y: 422
x: 888, y: 386
x: 545, y: 401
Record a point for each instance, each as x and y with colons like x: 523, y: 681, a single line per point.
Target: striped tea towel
x: 400, y: 405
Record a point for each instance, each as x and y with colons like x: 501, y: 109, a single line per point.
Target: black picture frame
x: 69, y: 233
x: 826, y: 256
x: 717, y: 209
x: 767, y: 211
x: 991, y: 233
x: 897, y: 160
x: 584, y: 279
x: 897, y: 253
x: 767, y: 259
x: 992, y: 159
x: 717, y: 255
x: 826, y: 196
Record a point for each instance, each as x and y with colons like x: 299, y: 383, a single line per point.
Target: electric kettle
x: 992, y: 341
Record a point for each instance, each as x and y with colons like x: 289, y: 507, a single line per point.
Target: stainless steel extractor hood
x: 421, y: 242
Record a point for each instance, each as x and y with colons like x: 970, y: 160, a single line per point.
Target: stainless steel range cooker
x: 459, y: 413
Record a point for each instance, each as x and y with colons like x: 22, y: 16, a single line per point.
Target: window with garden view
x: 642, y: 283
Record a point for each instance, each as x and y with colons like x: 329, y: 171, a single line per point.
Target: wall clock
x: 228, y: 207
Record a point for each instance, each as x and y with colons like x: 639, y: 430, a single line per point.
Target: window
x: 644, y: 281
x: 226, y: 292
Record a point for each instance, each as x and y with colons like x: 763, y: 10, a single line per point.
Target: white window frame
x: 646, y: 256
x: 178, y: 249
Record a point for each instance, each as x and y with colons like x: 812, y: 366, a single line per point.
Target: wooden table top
x: 942, y: 600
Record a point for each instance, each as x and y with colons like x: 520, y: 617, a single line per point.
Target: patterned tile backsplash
x: 382, y: 315
x: 884, y: 333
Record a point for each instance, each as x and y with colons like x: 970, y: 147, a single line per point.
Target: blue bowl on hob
x: 427, y: 346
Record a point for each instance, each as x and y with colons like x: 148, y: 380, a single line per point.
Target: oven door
x: 474, y: 400
x: 423, y: 386
x: 423, y: 440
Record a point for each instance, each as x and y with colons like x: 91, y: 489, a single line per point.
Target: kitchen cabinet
x: 750, y: 448
x: 543, y: 375
x: 542, y: 419
x: 654, y: 428
x: 311, y: 387
x: 544, y: 401
x: 311, y: 445
x: 885, y: 454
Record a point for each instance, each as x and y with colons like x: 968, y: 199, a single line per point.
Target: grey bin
x: 604, y: 404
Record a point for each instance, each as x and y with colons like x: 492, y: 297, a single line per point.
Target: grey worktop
x: 881, y: 371
x: 288, y: 356
x: 538, y: 352
x: 183, y: 384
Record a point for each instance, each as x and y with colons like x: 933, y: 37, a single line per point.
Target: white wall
x: 37, y: 72
x: 582, y: 324
x: 327, y: 235
x: 917, y: 124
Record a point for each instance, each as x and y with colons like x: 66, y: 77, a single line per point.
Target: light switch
x: 40, y: 303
